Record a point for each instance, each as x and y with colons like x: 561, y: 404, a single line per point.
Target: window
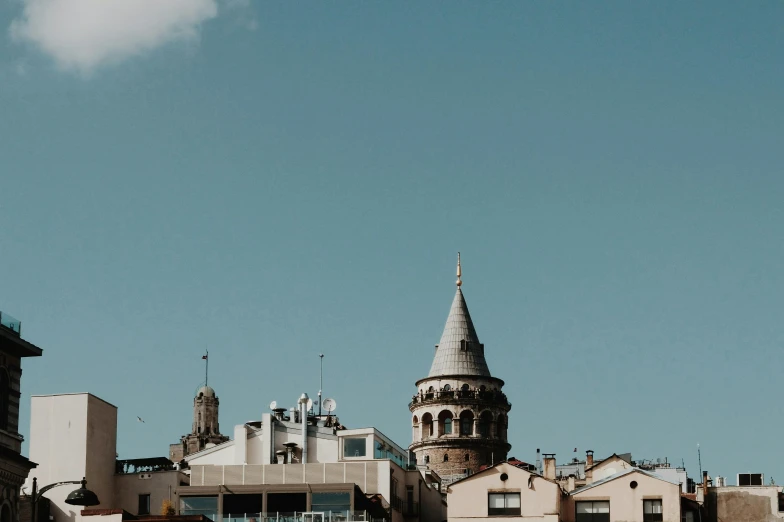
x: 447, y: 388
x: 466, y: 423
x: 503, y: 504
x: 596, y: 511
x: 448, y: 426
x: 4, y: 398
x: 467, y: 457
x: 239, y: 506
x: 446, y: 457
x: 427, y: 459
x: 331, y: 502
x: 354, y: 447
x: 749, y: 479
x: 781, y: 502
x: 652, y: 510
x: 207, y: 506
x: 144, y: 504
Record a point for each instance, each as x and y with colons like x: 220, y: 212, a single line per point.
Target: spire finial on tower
x: 459, y: 272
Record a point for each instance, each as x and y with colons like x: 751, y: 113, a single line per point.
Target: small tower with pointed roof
x: 459, y: 413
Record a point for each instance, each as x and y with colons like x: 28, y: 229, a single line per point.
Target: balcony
x: 9, y: 323
x: 478, y: 396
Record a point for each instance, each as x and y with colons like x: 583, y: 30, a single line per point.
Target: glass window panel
x: 497, y: 500
x: 207, y: 506
x: 652, y: 506
x: 354, y: 447
x: 602, y: 507
x: 330, y: 502
x: 513, y: 500
x: 583, y: 507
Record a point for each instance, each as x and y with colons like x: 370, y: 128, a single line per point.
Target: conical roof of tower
x: 459, y: 352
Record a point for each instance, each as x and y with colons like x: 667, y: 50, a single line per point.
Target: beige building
x: 744, y: 503
x: 74, y: 436
x: 629, y: 495
x: 504, y: 492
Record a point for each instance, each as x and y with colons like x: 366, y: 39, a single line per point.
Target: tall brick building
x: 13, y: 466
x: 459, y: 413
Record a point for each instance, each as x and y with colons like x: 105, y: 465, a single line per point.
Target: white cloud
x: 84, y: 34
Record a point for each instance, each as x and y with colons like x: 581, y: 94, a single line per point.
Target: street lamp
x: 78, y: 497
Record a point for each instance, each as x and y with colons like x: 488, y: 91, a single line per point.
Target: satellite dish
x: 309, y: 405
x: 329, y: 405
x: 273, y: 405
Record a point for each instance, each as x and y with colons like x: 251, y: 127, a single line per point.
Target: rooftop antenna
x: 206, y: 367
x: 321, y: 380
x: 699, y: 458
x: 459, y: 272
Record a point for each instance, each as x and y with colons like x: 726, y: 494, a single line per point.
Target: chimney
x: 570, y: 483
x: 549, y: 465
x: 588, y: 466
x: 705, y: 484
x: 538, y: 461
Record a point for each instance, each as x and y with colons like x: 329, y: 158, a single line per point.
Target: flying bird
x: 140, y: 419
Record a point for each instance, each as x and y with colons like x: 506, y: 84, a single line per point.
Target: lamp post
x: 78, y: 497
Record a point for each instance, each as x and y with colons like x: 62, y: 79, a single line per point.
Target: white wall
x: 222, y: 454
x: 73, y: 436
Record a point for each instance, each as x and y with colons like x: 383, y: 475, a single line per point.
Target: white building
x: 272, y: 469
x: 74, y: 436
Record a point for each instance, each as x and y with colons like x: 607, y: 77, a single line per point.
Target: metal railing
x: 6, y: 321
x: 486, y: 396
x: 290, y: 516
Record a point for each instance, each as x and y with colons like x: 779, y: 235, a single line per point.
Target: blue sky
x: 272, y: 180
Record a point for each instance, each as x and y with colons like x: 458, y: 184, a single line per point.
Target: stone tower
x: 459, y: 413
x: 205, y: 426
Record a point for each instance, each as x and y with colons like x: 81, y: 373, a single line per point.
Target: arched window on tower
x: 466, y: 423
x: 427, y: 459
x: 484, y: 423
x: 446, y: 457
x: 445, y: 423
x: 467, y: 457
x: 427, y: 426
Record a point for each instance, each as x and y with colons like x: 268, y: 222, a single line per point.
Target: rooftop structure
x: 292, y: 465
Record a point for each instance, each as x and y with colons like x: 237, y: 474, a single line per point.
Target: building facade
x: 205, y: 429
x: 13, y: 466
x: 301, y: 466
x: 505, y: 492
x: 74, y: 436
x: 459, y: 413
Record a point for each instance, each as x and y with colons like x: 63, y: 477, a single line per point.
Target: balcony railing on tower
x: 484, y: 396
